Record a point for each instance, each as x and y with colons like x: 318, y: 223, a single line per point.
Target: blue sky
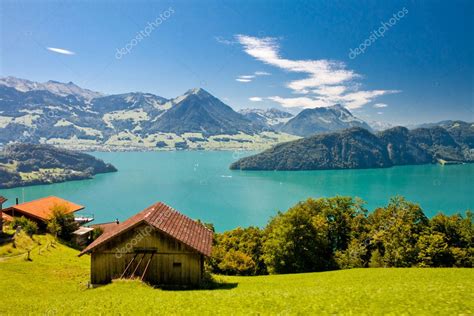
x: 287, y: 54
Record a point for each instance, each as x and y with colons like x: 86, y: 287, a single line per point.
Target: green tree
x: 458, y: 232
x: 394, y: 231
x: 242, y: 243
x: 62, y: 223
x: 433, y: 250
x: 305, y: 238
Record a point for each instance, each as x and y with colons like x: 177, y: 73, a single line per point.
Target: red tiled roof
x: 3, y: 199
x: 105, y: 226
x: 167, y: 220
x: 42, y: 208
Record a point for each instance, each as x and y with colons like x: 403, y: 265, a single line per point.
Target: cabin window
x: 176, y: 264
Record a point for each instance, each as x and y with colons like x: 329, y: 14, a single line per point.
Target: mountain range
x: 67, y: 115
x: 359, y: 148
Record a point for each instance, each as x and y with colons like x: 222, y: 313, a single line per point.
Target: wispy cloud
x: 224, y: 41
x: 321, y: 72
x: 327, y: 81
x: 380, y: 105
x: 60, y: 51
x: 248, y: 78
x: 256, y: 99
x: 357, y: 99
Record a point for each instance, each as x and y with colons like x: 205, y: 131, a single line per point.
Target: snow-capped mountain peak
x: 56, y: 87
x: 268, y: 117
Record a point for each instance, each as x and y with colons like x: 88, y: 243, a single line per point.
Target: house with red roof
x: 159, y: 245
x: 41, y: 210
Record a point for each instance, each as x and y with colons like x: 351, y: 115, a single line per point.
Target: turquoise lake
x: 199, y: 184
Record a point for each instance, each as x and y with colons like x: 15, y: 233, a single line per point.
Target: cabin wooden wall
x: 110, y: 260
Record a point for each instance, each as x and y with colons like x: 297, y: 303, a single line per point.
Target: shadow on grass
x: 5, y: 238
x: 215, y: 285
x: 208, y: 283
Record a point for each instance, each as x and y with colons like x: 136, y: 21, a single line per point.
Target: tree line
x: 338, y: 233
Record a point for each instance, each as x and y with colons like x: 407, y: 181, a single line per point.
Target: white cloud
x: 60, y: 51
x: 248, y: 78
x: 330, y: 90
x: 358, y: 99
x: 379, y: 113
x: 256, y: 99
x: 321, y: 72
x: 300, y: 102
x: 380, y: 105
x: 327, y: 81
x: 353, y: 100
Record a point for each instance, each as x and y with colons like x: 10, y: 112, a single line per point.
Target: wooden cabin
x: 41, y: 210
x: 159, y: 245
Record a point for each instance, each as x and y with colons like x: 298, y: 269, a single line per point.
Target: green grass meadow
x: 55, y: 283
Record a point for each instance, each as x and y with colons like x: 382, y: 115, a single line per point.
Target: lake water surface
x: 200, y: 184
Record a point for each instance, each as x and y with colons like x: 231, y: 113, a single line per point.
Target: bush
x: 238, y: 252
x: 96, y: 233
x: 355, y: 256
x: 62, y: 224
x: 236, y: 262
x: 376, y: 259
x: 433, y: 251
x: 28, y: 226
x: 462, y: 258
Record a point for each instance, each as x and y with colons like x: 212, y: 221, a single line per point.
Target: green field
x: 55, y: 283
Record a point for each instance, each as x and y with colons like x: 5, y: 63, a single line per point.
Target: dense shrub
x: 355, y: 256
x: 238, y: 252
x: 62, y: 224
x: 26, y: 225
x: 97, y: 232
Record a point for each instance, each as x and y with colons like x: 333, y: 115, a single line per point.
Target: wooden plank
x: 146, y: 267
x: 128, y: 266
x: 139, y: 262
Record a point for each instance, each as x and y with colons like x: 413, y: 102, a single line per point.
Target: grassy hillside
x: 55, y: 283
